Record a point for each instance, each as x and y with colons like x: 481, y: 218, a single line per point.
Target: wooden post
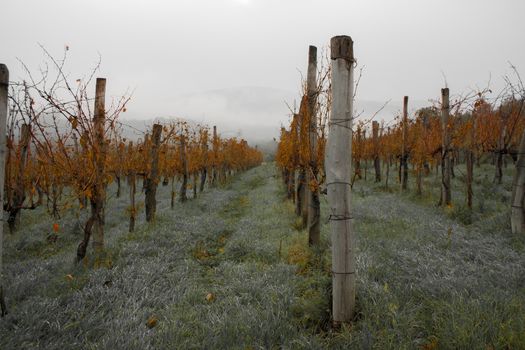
x: 215, y: 156
x: 83, y: 199
x: 517, y: 217
x: 302, y: 179
x: 100, y: 149
x: 4, y: 87
x: 404, y: 153
x: 388, y: 161
x: 357, y: 161
x: 363, y: 149
x: 498, y: 175
x: 338, y: 168
x: 470, y: 158
x: 195, y: 174
x: 204, y: 170
x: 152, y: 178
x: 19, y: 193
x: 314, y: 206
x: 297, y: 172
x: 375, y: 139
x: 132, y: 182
x: 118, y: 173
x: 446, y: 196
x: 173, y: 183
x: 146, y: 146
x: 184, y: 184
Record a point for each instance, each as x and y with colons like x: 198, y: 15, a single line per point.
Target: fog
x: 236, y: 62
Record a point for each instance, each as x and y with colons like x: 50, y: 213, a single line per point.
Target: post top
x: 4, y: 74
x: 312, y: 54
x: 342, y: 46
x: 444, y: 91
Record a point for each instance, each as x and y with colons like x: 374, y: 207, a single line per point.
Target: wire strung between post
x: 340, y: 122
x: 343, y: 273
x: 337, y: 217
x: 338, y: 183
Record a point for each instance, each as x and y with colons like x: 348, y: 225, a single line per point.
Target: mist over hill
x: 253, y: 113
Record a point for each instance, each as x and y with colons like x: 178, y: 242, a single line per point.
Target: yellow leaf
x: 152, y: 321
x: 392, y: 308
x: 210, y: 297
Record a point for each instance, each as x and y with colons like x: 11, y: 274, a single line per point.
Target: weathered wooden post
x: 517, y: 217
x: 446, y: 196
x: 358, y: 149
x: 375, y: 139
x: 118, y: 174
x: 152, y: 177
x: 215, y: 157
x: 195, y: 184
x: 19, y: 193
x: 132, y: 182
x: 184, y: 184
x: 365, y: 159
x: 314, y: 207
x: 204, y: 170
x: 470, y: 158
x: 145, y: 146
x: 302, y: 195
x: 388, y: 160
x: 338, y: 173
x: 404, y: 153
x: 4, y: 87
x: 505, y: 112
x: 100, y: 149
x: 297, y: 172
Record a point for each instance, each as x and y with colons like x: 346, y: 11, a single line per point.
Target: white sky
x: 164, y: 49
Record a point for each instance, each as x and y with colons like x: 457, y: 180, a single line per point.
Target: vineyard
x: 356, y: 233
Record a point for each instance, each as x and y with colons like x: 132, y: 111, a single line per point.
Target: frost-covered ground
x: 229, y: 270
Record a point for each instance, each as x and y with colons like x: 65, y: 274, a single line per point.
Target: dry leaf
x: 152, y: 321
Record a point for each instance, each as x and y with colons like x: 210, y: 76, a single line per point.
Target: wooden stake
x: 4, y: 87
x: 99, y: 147
x: 517, y: 217
x: 132, y: 182
x: 404, y: 153
x: 446, y: 196
x: 204, y: 170
x: 184, y: 184
x: 215, y: 156
x: 152, y: 178
x: 19, y: 193
x: 375, y: 138
x: 470, y: 158
x: 314, y: 206
x: 338, y: 167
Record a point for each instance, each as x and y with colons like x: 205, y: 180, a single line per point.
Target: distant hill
x: 253, y: 113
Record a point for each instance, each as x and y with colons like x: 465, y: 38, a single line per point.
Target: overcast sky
x: 164, y: 49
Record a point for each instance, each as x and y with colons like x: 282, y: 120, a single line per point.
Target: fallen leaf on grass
x: 152, y: 321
